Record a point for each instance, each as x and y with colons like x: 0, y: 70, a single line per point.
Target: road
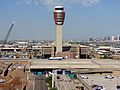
x: 40, y: 84
x: 64, y: 83
x: 108, y: 84
x: 76, y: 63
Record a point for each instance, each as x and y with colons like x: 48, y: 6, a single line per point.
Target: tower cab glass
x: 59, y: 15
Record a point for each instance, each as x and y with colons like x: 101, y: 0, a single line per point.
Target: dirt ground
x: 16, y: 79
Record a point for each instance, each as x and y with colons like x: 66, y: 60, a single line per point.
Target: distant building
x: 116, y: 56
x: 71, y: 51
x: 91, y: 39
x: 118, y: 37
x: 107, y: 38
x: 114, y: 38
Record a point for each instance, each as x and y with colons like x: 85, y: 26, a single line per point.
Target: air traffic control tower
x: 59, y: 16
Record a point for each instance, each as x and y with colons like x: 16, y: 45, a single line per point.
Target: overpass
x: 91, y: 64
x: 75, y: 64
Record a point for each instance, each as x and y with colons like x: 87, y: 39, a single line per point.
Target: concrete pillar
x: 78, y: 52
x: 53, y: 51
x: 58, y: 38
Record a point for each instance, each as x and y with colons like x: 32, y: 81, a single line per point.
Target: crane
x: 8, y: 33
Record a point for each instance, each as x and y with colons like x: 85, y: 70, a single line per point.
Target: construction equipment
x: 6, y: 38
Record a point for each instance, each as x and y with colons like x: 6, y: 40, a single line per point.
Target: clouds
x: 50, y: 3
x: 88, y: 2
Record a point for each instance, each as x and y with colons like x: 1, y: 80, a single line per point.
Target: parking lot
x: 108, y: 84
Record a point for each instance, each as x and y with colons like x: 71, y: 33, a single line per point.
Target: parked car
x: 83, y: 77
x: 58, y: 77
x: 108, y: 77
x: 94, y: 86
x: 118, y: 87
x: 98, y: 87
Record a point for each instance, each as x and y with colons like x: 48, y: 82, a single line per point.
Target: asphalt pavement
x: 40, y: 84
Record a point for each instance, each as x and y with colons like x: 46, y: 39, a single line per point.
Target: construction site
x: 13, y: 75
x: 57, y: 65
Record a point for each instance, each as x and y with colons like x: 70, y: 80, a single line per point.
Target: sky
x: 84, y: 19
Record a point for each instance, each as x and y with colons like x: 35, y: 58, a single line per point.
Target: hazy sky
x: 84, y: 19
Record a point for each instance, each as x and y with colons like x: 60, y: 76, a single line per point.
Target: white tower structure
x: 59, y: 16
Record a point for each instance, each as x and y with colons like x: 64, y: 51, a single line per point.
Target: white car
x: 83, y: 77
x: 98, y: 87
x: 108, y: 76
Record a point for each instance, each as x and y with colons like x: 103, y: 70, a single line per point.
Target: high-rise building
x: 118, y: 37
x: 59, y: 16
x: 113, y: 38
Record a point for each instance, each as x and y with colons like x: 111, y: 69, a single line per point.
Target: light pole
x: 53, y: 78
